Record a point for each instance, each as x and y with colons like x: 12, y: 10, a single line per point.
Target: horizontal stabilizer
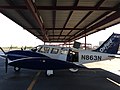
x: 115, y: 56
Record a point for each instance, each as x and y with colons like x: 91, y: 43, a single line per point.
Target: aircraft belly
x: 42, y: 64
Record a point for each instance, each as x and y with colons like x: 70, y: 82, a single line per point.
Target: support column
x: 85, y: 39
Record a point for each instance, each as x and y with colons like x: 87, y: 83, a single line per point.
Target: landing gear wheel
x: 17, y: 69
x: 74, y: 70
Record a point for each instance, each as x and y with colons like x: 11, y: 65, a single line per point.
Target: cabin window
x: 63, y: 51
x: 44, y: 50
x: 54, y: 51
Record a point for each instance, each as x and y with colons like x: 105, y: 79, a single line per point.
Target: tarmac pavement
x: 93, y: 79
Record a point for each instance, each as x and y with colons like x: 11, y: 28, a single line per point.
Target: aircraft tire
x: 49, y: 73
x: 17, y: 69
x: 74, y: 70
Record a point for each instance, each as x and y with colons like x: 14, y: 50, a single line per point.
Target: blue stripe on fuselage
x: 17, y: 54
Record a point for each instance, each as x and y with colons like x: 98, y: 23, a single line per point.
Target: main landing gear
x: 74, y: 70
x: 49, y: 73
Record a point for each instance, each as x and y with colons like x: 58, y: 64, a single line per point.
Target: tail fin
x: 111, y: 45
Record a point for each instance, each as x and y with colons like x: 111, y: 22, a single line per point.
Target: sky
x: 102, y: 35
x: 15, y: 35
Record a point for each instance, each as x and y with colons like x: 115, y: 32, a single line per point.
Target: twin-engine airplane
x: 49, y: 58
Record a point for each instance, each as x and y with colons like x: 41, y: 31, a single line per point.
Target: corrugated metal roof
x: 62, y: 20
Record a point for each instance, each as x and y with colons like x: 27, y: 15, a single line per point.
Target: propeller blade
x: 6, y: 59
x: 4, y: 56
x: 6, y: 65
x: 2, y: 50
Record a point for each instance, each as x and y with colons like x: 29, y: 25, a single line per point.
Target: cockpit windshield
x: 36, y: 48
x: 44, y: 49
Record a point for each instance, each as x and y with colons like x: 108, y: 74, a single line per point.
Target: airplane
x: 49, y: 58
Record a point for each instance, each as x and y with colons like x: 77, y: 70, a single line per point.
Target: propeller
x: 2, y: 50
x: 6, y: 59
x: 6, y: 64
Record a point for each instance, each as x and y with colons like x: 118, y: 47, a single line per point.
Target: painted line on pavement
x: 34, y: 81
x: 116, y: 83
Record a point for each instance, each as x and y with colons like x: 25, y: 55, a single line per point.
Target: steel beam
x: 108, y: 19
x: 64, y: 28
x: 54, y: 15
x: 90, y: 12
x: 88, y: 8
x: 34, y: 12
x: 55, y: 28
x: 21, y: 14
x: 71, y: 12
x: 74, y: 8
x: 100, y: 17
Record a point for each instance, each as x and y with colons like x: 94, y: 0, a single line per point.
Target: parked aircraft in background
x: 49, y: 58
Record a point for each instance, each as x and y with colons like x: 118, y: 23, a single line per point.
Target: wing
x: 43, y: 63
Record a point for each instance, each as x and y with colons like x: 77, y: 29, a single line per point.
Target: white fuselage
x: 87, y: 56
x: 81, y: 56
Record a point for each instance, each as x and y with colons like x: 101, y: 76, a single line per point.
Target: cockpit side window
x: 63, y: 51
x: 44, y: 49
x: 54, y: 51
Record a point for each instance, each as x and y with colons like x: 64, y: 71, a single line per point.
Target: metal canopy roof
x: 62, y: 20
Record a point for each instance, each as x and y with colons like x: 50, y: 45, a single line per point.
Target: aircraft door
x: 72, y: 56
x: 63, y: 54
